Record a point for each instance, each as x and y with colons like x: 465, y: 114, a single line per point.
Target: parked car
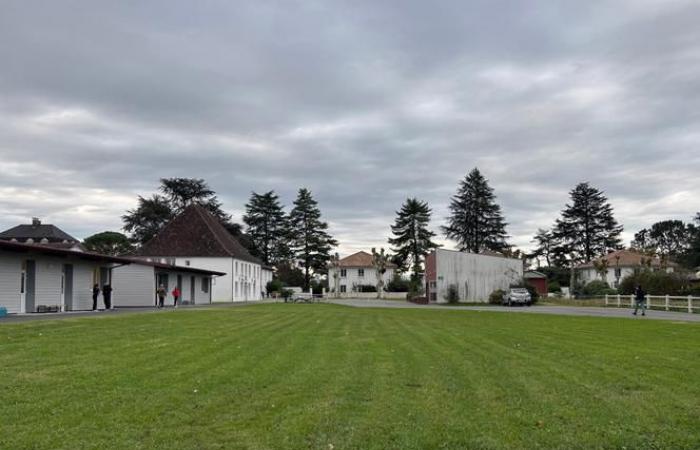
x: 517, y: 296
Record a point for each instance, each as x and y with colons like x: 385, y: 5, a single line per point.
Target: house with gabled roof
x: 615, y: 266
x: 356, y: 271
x: 195, y: 238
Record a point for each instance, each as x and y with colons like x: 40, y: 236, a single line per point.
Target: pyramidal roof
x: 195, y: 232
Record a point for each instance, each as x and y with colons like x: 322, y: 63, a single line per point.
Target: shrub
x: 415, y: 289
x: 398, y: 284
x: 274, y: 286
x: 655, y: 283
x: 365, y: 288
x: 452, y: 294
x: 554, y: 286
x: 496, y: 297
x: 286, y: 294
x: 596, y: 287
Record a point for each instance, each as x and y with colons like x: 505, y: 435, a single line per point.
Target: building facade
x: 355, y: 271
x: 614, y: 267
x: 197, y: 239
x: 475, y: 276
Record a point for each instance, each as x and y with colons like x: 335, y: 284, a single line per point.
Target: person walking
x: 640, y: 298
x: 95, y: 296
x: 176, y: 295
x: 107, y: 296
x: 161, y: 292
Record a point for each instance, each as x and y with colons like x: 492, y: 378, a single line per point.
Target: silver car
x: 517, y: 296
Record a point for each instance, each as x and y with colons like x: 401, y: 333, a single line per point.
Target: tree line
x: 585, y: 230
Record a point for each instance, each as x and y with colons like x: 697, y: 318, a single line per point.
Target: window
x: 618, y: 273
x: 205, y: 285
x: 433, y: 296
x: 433, y: 285
x: 360, y: 273
x: 343, y: 288
x: 343, y: 274
x: 187, y: 262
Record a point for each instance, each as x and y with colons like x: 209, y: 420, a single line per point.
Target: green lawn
x: 332, y: 377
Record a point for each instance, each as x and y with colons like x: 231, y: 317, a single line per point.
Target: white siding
x: 352, y: 277
x: 49, y: 272
x: 476, y: 276
x: 10, y: 281
x: 134, y: 285
x: 82, y: 285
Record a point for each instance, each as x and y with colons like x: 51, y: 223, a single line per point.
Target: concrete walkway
x: 592, y: 311
x: 15, y: 318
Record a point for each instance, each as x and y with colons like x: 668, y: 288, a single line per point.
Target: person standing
x: 176, y: 295
x: 640, y: 298
x: 107, y: 296
x: 95, y: 295
x: 161, y: 292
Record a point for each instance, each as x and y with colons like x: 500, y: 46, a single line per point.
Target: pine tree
x: 182, y: 192
x: 144, y: 222
x: 476, y: 222
x: 412, y: 239
x: 311, y: 243
x: 267, y: 227
x: 587, y: 228
x: 669, y: 238
x: 545, y: 246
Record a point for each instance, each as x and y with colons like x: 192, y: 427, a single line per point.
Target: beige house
x: 614, y: 267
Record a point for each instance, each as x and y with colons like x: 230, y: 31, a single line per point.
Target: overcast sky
x: 363, y: 102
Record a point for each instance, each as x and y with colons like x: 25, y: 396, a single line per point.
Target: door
x: 68, y: 287
x: 29, y: 286
x: 179, y: 283
x: 192, y: 285
x: 104, y: 276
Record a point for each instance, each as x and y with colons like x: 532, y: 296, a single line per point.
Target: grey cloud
x: 363, y: 102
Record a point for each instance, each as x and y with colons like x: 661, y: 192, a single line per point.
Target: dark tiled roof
x: 195, y: 232
x: 37, y: 232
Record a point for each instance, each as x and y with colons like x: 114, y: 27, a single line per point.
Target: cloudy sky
x: 363, y: 102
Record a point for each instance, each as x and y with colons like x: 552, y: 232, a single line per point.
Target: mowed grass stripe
x: 315, y: 376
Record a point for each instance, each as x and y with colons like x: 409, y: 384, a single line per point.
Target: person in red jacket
x: 176, y: 295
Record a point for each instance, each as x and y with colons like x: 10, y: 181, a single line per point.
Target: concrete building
x: 475, y: 276
x: 614, y: 267
x: 197, y: 239
x: 36, y: 277
x: 357, y: 270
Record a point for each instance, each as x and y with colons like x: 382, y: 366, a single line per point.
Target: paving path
x: 625, y: 313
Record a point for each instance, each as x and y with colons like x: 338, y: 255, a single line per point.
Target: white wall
x: 475, y: 276
x: 10, y: 281
x: 133, y: 285
x: 49, y: 272
x: 352, y: 277
x: 82, y: 285
x: 243, y: 280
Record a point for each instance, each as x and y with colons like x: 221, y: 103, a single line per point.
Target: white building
x: 357, y: 270
x: 475, y: 276
x: 38, y: 277
x: 614, y: 267
x: 197, y: 239
x: 135, y: 285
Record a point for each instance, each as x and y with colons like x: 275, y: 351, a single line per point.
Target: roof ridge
x: 198, y: 208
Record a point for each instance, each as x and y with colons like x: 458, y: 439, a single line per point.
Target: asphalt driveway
x: 625, y: 313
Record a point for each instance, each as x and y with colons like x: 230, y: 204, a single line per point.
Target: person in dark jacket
x: 640, y: 302
x: 95, y: 295
x: 107, y: 296
x: 161, y: 292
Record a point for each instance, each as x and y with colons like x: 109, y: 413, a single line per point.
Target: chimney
x: 36, y: 221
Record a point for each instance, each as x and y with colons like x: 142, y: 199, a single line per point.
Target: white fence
x: 666, y: 302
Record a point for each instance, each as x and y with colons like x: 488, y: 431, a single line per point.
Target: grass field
x: 332, y: 377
